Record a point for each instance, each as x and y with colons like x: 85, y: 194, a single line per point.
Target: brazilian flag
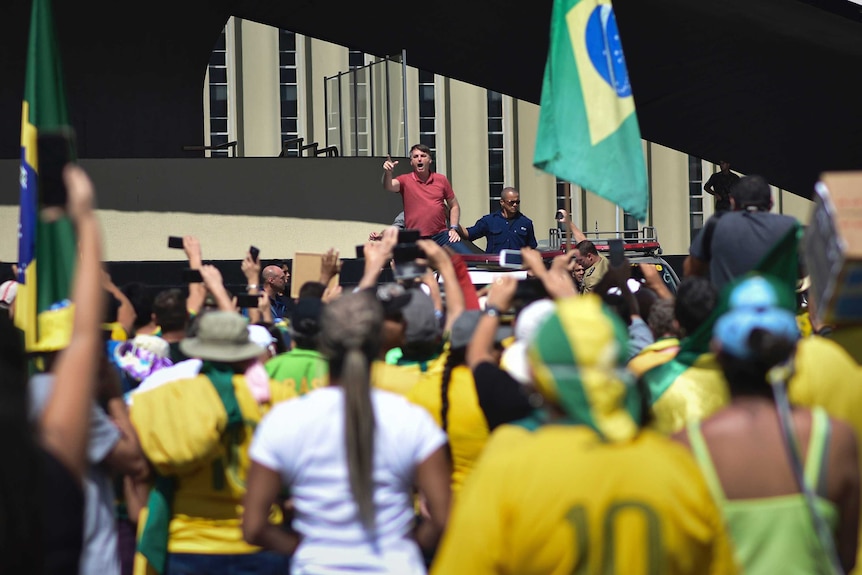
x: 588, y: 130
x: 781, y: 262
x: 46, y: 245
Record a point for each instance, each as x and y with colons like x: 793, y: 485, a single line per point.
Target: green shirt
x: 305, y: 369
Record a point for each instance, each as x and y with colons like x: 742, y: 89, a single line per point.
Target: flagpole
x: 567, y: 190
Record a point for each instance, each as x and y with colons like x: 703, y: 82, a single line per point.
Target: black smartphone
x: 247, y: 300
x: 616, y: 249
x: 55, y: 149
x: 408, y: 236
x: 407, y: 253
x: 192, y: 276
x: 175, y: 242
x: 360, y: 252
x: 254, y: 253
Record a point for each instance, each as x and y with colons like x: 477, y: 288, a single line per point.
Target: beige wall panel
x: 129, y: 236
x: 261, y: 103
x: 670, y: 207
x: 793, y: 205
x: 9, y: 237
x: 468, y: 126
x: 600, y: 214
x: 325, y: 59
x: 538, y: 188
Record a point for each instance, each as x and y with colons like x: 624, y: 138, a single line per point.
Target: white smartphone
x: 511, y: 259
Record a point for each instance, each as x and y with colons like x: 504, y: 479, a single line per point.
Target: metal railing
x: 225, y: 146
x: 359, y: 107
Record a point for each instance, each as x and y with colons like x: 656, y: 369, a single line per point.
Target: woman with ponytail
x: 351, y: 457
x: 786, y: 478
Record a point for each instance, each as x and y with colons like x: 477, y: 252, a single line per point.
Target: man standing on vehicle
x: 429, y: 201
x: 587, y: 256
x: 507, y: 229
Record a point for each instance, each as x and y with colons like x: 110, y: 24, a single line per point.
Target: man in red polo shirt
x: 430, y: 205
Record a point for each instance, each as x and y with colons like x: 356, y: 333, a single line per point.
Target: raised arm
x: 556, y: 279
x: 197, y: 291
x: 65, y: 422
x: 480, y: 349
x: 213, y: 282
x: 390, y: 184
x: 653, y: 281
x: 251, y: 270
x: 577, y: 234
x: 330, y: 265
x: 376, y: 256
x: 440, y: 261
x: 126, y: 313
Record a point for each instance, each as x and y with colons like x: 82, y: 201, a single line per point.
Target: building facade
x: 269, y: 92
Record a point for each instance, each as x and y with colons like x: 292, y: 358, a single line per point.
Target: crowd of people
x: 570, y: 422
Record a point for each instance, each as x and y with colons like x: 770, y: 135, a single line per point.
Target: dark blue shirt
x: 504, y: 234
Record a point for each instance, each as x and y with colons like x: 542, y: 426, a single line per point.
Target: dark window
x: 496, y: 171
x: 427, y: 110
x: 288, y: 88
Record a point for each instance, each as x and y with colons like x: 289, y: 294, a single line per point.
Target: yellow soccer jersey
x: 181, y: 426
x: 559, y: 501
x: 400, y: 379
x: 467, y: 428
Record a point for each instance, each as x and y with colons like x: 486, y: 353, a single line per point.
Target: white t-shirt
x: 303, y: 440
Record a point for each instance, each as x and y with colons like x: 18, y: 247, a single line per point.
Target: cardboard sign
x: 833, y: 248
x: 306, y: 268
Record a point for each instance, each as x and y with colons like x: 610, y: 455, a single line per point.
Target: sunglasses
x: 511, y: 202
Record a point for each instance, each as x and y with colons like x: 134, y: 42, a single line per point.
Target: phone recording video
x: 192, y: 276
x: 245, y: 300
x: 254, y: 253
x: 55, y: 149
x: 408, y: 236
x: 511, y: 259
x: 615, y: 246
x: 404, y: 259
x: 175, y: 242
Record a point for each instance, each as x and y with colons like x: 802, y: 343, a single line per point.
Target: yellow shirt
x: 400, y: 379
x: 182, y: 427
x: 558, y: 501
x: 466, y: 425
x: 695, y: 394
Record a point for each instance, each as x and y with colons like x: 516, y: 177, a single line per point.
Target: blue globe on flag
x: 602, y: 39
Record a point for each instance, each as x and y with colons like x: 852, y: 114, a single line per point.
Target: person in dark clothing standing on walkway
x: 719, y: 185
x: 507, y: 229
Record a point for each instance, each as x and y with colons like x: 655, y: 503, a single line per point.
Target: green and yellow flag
x: 46, y: 249
x: 588, y: 129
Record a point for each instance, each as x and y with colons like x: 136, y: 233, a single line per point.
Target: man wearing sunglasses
x: 506, y: 229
